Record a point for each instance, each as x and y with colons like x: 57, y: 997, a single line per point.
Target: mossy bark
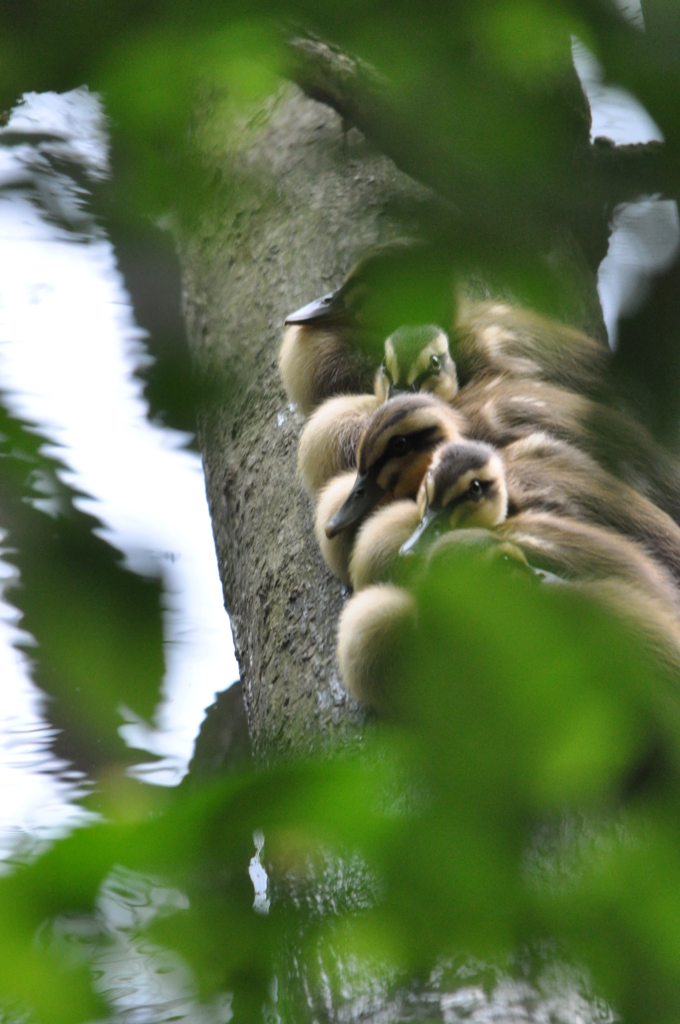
x: 294, y: 199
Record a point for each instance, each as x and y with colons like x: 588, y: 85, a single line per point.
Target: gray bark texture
x: 295, y: 199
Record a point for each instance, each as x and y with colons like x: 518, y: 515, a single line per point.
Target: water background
x: 70, y: 352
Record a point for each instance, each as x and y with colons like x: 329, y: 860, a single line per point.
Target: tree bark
x: 295, y: 199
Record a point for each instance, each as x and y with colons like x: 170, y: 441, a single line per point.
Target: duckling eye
x: 475, y: 489
x: 435, y: 362
x: 398, y: 445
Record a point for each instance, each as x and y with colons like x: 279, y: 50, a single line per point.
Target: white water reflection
x: 142, y: 982
x: 69, y: 349
x: 644, y: 242
x: 616, y: 114
x: 645, y: 234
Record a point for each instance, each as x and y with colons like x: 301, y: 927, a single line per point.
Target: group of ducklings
x: 512, y: 451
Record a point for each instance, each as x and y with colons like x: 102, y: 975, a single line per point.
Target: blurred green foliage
x: 513, y: 706
x: 98, y: 625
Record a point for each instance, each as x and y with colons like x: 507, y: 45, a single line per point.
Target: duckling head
x: 348, y: 312
x: 319, y: 349
x: 394, y: 453
x: 330, y: 308
x: 417, y: 359
x: 463, y: 488
x: 402, y: 281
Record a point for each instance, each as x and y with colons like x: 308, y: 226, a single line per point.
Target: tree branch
x: 602, y: 175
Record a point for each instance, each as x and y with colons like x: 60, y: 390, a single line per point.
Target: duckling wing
x: 493, y: 338
x: 583, y: 551
x: 545, y: 474
x: 503, y: 410
x: 317, y: 362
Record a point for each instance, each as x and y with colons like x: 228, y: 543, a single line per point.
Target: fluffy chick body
x: 371, y: 627
x: 319, y: 360
x: 336, y: 551
x: 502, y: 410
x: 377, y: 543
x: 329, y: 440
x: 466, y: 487
x: 494, y: 338
x: 546, y: 474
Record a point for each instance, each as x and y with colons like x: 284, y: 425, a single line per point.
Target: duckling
x: 376, y: 548
x: 546, y: 474
x: 372, y: 626
x: 375, y: 553
x: 495, y: 338
x: 466, y: 488
x: 328, y: 442
x: 319, y: 356
x: 332, y: 345
x: 336, y: 552
x: 416, y: 359
x: 502, y: 410
x: 394, y: 453
x: 323, y: 353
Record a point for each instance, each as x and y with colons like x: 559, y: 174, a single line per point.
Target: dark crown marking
x: 456, y: 461
x: 387, y: 418
x: 409, y: 342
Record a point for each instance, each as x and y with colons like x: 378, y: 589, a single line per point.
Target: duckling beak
x: 361, y: 500
x: 432, y: 526
x: 329, y: 307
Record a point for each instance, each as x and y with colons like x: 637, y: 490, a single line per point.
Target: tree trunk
x: 295, y: 200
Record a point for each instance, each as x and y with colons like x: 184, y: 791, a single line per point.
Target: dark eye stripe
x: 487, y: 486
x: 422, y: 377
x: 419, y: 441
